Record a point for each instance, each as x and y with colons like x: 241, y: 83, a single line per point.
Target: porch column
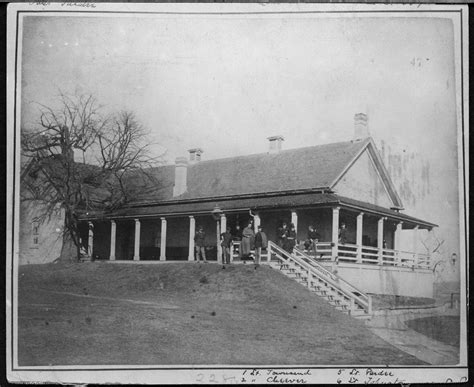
x: 335, y: 231
x: 415, y: 246
x: 218, y: 241
x: 90, y: 241
x: 223, y: 224
x: 136, y: 253
x: 430, y: 234
x: 256, y: 222
x: 113, y: 237
x: 192, y: 231
x: 163, y: 240
x: 397, y: 236
x: 380, y: 240
x: 223, y: 230
x: 396, y: 247
x: 359, y: 230
x: 294, y: 220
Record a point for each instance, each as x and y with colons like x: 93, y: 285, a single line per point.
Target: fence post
x: 335, y: 232
x: 397, y: 258
x: 269, y: 252
x: 309, y: 279
x: 415, y: 246
x: 360, y: 222
x: 369, y: 309
x: 352, y: 306
x: 397, y: 238
x: 380, y: 240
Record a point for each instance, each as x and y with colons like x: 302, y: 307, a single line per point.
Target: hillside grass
x: 184, y: 313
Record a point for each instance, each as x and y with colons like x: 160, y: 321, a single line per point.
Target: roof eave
x: 229, y: 197
x: 395, y: 215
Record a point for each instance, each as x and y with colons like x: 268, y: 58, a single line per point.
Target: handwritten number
x: 419, y: 62
x: 200, y: 378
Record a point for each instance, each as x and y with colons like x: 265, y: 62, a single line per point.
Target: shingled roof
x: 314, y: 167
x: 296, y: 177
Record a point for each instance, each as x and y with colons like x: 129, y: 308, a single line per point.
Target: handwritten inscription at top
x: 419, y: 62
x: 65, y: 4
x: 73, y: 4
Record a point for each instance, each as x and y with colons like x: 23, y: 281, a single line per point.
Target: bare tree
x: 81, y: 159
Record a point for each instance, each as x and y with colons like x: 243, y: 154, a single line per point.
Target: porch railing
x: 349, y: 252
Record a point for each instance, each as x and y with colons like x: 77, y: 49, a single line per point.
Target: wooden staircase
x: 327, y: 285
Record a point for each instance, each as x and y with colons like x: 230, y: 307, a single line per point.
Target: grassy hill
x: 184, y: 313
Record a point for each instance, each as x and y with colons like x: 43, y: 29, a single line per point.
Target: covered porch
x: 373, y: 235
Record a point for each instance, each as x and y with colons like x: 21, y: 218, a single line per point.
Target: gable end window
x: 35, y: 232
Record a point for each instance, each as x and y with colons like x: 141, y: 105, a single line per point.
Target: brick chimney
x: 195, y: 155
x: 180, y: 176
x: 361, y: 127
x: 274, y: 144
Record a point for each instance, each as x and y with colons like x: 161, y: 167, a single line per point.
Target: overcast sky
x: 225, y: 83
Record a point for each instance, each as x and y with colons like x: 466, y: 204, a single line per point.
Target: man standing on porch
x: 290, y: 239
x: 247, y: 236
x: 342, y: 234
x: 226, y: 240
x: 313, y: 239
x: 282, y: 233
x: 200, y: 244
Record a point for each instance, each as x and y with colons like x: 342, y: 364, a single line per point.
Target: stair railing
x: 342, y: 282
x: 364, y: 301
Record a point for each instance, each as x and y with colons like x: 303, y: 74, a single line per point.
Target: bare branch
x: 116, y: 153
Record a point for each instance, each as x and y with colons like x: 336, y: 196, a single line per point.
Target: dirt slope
x: 184, y: 313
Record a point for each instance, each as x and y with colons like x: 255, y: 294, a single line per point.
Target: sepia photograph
x: 237, y: 193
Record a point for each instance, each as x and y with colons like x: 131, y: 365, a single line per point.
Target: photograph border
x: 17, y: 373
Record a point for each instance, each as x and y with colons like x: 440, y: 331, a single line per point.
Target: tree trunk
x: 69, y: 250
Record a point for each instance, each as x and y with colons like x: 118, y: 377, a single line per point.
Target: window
x: 35, y: 231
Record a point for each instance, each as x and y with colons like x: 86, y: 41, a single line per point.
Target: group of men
x: 287, y: 240
x: 249, y: 240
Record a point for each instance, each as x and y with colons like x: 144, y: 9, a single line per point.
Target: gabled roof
x: 298, y: 178
x: 314, y: 167
x: 379, y: 167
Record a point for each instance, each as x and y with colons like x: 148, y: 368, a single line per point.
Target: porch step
x: 85, y: 258
x: 360, y: 314
x: 324, y: 290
